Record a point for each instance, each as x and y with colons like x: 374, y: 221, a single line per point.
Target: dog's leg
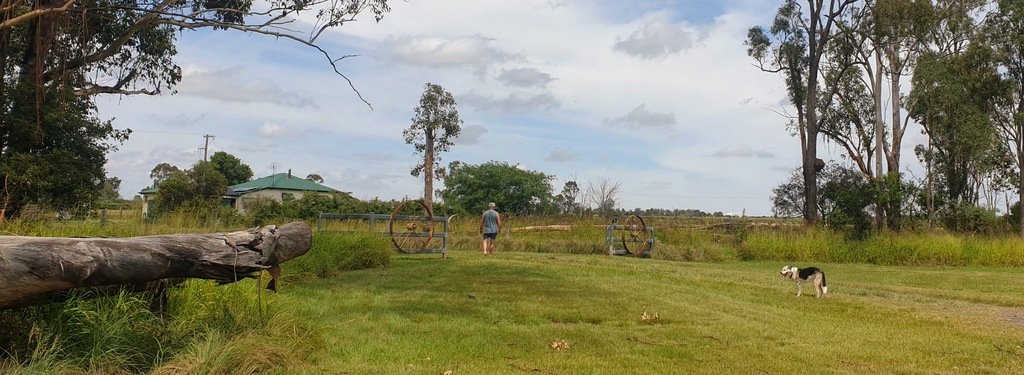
x: 817, y: 285
x: 798, y: 289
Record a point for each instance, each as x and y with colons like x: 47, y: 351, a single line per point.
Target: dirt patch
x: 981, y: 314
x: 1011, y: 315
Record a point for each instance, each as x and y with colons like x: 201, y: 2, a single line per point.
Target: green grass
x: 472, y: 314
x: 899, y: 303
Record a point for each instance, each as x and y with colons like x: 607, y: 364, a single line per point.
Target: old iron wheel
x: 411, y: 226
x: 634, y: 235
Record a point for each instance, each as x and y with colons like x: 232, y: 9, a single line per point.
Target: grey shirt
x: 490, y: 221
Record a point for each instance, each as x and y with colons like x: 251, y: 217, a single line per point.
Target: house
x: 278, y: 187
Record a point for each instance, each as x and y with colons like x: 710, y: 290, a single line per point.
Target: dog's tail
x: 824, y: 285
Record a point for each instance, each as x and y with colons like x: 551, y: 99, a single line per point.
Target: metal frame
x: 372, y: 220
x: 610, y: 241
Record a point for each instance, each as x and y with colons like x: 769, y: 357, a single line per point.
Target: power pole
x: 206, y: 145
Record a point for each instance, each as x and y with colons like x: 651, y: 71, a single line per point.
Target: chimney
x: 289, y: 173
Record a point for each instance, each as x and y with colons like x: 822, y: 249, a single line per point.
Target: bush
x: 969, y: 218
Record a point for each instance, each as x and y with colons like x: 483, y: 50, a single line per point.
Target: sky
x: 658, y: 96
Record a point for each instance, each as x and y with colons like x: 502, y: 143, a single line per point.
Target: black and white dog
x: 802, y: 275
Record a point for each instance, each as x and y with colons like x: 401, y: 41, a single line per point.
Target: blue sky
x: 658, y: 96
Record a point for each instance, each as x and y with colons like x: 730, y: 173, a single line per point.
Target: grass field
x: 471, y: 314
x: 928, y: 303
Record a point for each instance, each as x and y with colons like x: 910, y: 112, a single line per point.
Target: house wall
x: 146, y: 198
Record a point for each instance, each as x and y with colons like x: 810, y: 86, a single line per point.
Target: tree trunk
x: 35, y: 268
x: 1020, y: 168
x: 876, y: 84
x: 428, y: 169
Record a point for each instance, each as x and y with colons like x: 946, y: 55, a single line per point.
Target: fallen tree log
x: 32, y: 268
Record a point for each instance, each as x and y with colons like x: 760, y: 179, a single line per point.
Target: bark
x: 811, y: 145
x: 35, y: 268
x: 428, y: 169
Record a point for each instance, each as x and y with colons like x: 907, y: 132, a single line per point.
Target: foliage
x: 65, y: 139
x: 969, y: 218
x: 111, y: 190
x: 788, y: 197
x: 845, y: 197
x: 952, y: 98
x: 131, y: 44
x: 1005, y: 32
x: 566, y: 200
x: 206, y: 181
x: 315, y: 178
x: 435, y: 126
x: 307, y: 208
x: 469, y: 188
x: 174, y: 191
x: 162, y: 172
x: 231, y: 168
x: 200, y: 185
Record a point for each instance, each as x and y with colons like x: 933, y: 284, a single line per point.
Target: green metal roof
x: 280, y: 181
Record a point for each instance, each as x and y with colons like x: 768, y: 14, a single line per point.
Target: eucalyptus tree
x: 953, y: 98
x: 434, y: 128
x: 795, y: 46
x: 161, y: 172
x: 883, y: 38
x: 899, y: 29
x: 1005, y: 32
x: 956, y: 87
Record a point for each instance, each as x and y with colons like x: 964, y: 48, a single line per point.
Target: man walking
x: 490, y: 225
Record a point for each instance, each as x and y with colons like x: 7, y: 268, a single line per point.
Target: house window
x: 287, y: 197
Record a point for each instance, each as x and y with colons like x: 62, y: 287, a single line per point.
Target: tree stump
x: 32, y: 269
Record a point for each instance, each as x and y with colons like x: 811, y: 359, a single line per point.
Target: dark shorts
x: 492, y: 236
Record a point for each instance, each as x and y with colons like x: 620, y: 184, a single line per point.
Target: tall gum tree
x: 1005, y: 32
x: 796, y: 47
x: 434, y: 128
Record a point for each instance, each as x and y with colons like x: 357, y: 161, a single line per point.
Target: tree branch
x: 33, y: 14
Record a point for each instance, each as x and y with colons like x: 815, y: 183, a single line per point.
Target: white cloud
x: 524, y: 77
x: 273, y: 130
x: 640, y: 117
x: 510, y: 104
x: 742, y: 152
x: 474, y: 52
x: 560, y: 155
x: 471, y: 135
x: 230, y: 84
x: 656, y: 38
